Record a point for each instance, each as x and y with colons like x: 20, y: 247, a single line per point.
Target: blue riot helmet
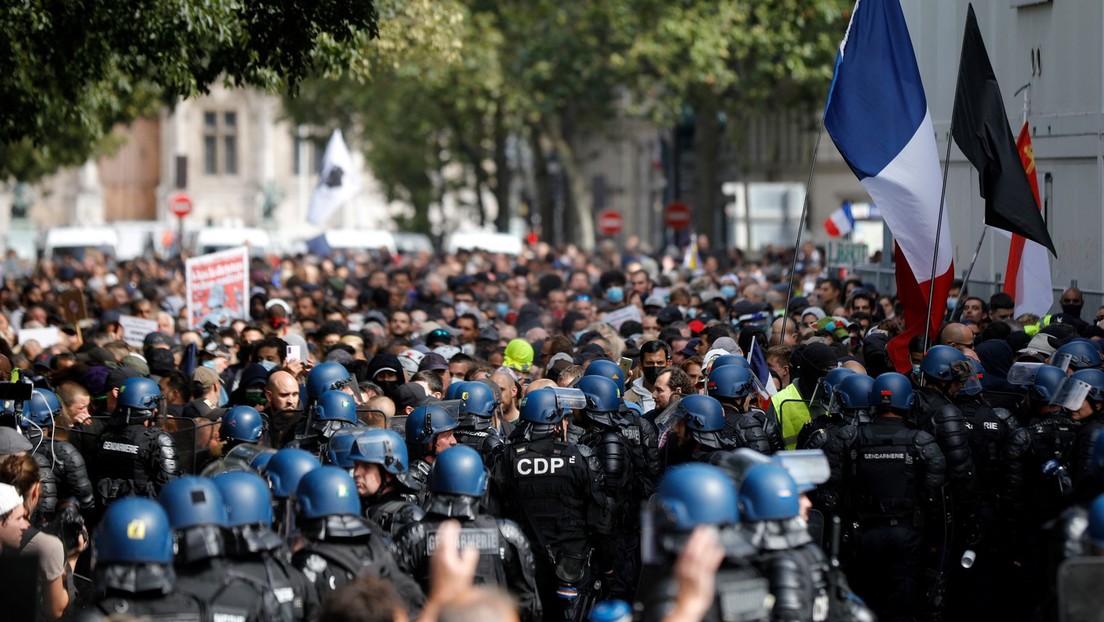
x: 458, y: 471
x: 1076, y: 355
x: 286, y: 468
x: 1022, y: 374
x: 726, y: 360
x: 477, y: 403
x: 1084, y: 385
x: 41, y: 410
x: 248, y: 500
x: 133, y: 530
x: 260, y: 462
x: 731, y: 382
x: 609, y: 369
x: 334, y: 405
x: 704, y: 418
x: 891, y: 391
x: 1045, y: 384
x: 540, y: 407
x: 242, y: 424
x: 138, y: 399
x: 611, y: 611
x: 853, y: 392
x: 768, y: 492
x: 383, y: 447
x: 695, y: 494
x: 197, y: 515
x: 603, y: 399
x: 938, y: 360
x: 327, y: 491
x: 341, y: 445
x: 544, y: 409
x: 829, y: 382
x: 454, y: 389
x: 324, y: 377
x: 422, y: 427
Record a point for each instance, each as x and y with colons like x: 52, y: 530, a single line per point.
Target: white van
x: 75, y: 240
x: 504, y: 243
x: 214, y: 239
x: 366, y: 240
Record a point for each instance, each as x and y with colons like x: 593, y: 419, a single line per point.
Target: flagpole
x: 800, y: 224
x: 938, y: 232
x: 962, y: 291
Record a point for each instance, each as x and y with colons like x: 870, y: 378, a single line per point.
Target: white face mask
x: 952, y: 303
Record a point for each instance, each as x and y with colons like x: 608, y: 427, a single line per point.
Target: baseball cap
x: 447, y: 351
x: 205, y: 377
x: 410, y: 359
x: 669, y: 315
x: 410, y: 394
x: 9, y: 496
x: 433, y: 362
x: 438, y: 336
x: 655, y: 300
x: 253, y: 375
x: 1041, y: 344
x: 116, y: 377
x: 12, y: 442
x: 691, y: 347
x: 156, y: 339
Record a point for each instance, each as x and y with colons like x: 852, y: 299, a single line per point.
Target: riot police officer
x: 338, y: 543
x: 692, y: 428
x: 255, y: 550
x: 830, y: 416
x: 61, y: 466
x: 735, y: 388
x: 241, y: 430
x: 333, y: 410
x: 283, y: 471
x: 133, y: 570
x: 895, y: 475
x: 553, y: 489
x: 849, y: 404
x: 197, y: 515
x: 328, y: 376
x: 429, y: 431
x: 133, y: 455
x: 386, y: 490
x: 770, y: 505
x: 340, y: 446
x: 1076, y: 355
x: 690, y: 496
x: 478, y: 407
x: 1091, y: 417
x: 457, y: 482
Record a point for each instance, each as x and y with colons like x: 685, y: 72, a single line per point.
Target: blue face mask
x: 952, y: 303
x: 615, y: 295
x: 728, y: 291
x: 268, y: 365
x: 502, y: 308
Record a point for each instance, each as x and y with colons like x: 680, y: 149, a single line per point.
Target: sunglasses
x: 582, y: 298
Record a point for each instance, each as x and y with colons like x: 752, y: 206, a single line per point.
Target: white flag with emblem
x: 338, y: 182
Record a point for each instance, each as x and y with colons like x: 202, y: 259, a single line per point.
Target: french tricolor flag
x: 877, y: 115
x: 841, y: 222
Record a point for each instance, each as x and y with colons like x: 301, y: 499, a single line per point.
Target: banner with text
x: 218, y: 288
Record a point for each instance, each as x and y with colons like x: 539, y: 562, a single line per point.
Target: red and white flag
x: 1027, y: 276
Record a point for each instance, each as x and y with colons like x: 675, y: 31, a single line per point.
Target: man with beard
x: 282, y: 392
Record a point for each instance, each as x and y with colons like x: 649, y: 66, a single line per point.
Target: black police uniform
x: 418, y: 476
x: 228, y: 595
x: 896, y: 476
x: 1038, y: 457
x: 749, y: 429
x: 505, y: 558
x: 63, y: 475
x: 260, y: 553
x: 392, y: 510
x: 742, y: 592
x: 339, y: 548
x: 483, y: 438
x: 553, y: 489
x: 938, y: 416
x: 616, y: 554
x: 133, y: 459
x: 145, y: 591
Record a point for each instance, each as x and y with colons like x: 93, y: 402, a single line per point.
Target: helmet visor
x: 1023, y: 374
x: 568, y: 398
x: 1071, y: 394
x: 807, y: 467
x: 666, y: 420
x: 1062, y: 360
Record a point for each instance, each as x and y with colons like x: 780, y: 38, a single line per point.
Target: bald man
x: 776, y: 333
x: 283, y: 403
x: 957, y: 336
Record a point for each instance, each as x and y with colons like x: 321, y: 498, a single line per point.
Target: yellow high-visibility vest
x: 796, y: 413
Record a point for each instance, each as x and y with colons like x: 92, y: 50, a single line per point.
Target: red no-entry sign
x: 677, y: 216
x: 610, y: 222
x: 180, y: 204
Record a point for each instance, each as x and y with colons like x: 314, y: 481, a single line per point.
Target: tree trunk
x: 581, y: 201
x: 542, y: 182
x: 503, y: 174
x: 707, y: 143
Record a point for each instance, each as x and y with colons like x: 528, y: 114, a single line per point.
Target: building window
x: 315, y: 148
x: 220, y: 143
